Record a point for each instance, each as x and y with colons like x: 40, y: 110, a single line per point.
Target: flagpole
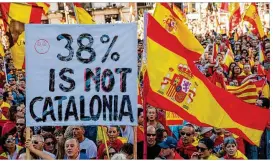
x: 65, y: 12
x: 144, y: 86
x: 76, y: 15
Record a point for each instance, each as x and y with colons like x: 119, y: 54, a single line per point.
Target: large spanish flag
x: 235, y: 15
x: 83, y: 16
x: 189, y: 94
x: 252, y: 16
x: 166, y: 17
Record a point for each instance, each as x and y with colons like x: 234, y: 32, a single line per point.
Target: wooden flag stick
x: 135, y: 142
x: 27, y: 137
x: 104, y: 140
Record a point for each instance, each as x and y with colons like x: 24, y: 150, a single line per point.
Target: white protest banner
x: 81, y: 74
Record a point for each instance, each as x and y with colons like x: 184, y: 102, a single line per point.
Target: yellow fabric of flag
x: 2, y: 52
x: 83, y: 16
x: 171, y: 23
x: 179, y: 13
x: 19, y: 12
x: 266, y: 91
x: 44, y: 5
x: 252, y: 16
x: 18, y: 52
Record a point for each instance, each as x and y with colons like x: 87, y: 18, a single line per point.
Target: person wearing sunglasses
x: 153, y: 149
x: 20, y: 126
x: 37, y: 142
x: 112, y: 151
x: 185, y: 145
x: 204, y: 150
x: 168, y: 149
x: 50, y: 144
x: 231, y: 149
x: 11, y: 150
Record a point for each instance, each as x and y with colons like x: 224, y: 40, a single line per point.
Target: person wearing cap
x: 168, y: 147
x: 206, y: 132
x: 204, y: 150
x: 231, y: 149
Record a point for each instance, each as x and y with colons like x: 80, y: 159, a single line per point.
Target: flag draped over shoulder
x: 16, y: 15
x: 173, y: 25
x: 235, y: 15
x: 83, y: 16
x: 174, y: 83
x: 252, y: 16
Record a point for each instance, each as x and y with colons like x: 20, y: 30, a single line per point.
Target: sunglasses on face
x: 151, y: 134
x: 49, y: 143
x: 10, y: 140
x: 110, y: 154
x: 201, y: 149
x: 35, y: 142
x: 183, y: 133
x: 18, y: 124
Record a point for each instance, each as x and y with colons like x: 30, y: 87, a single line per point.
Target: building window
x: 108, y: 18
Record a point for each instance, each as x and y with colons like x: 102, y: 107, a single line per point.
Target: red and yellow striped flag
x: 252, y: 16
x: 21, y: 12
x: 246, y: 92
x: 179, y: 13
x: 44, y: 5
x: 166, y: 17
x: 188, y: 93
x: 83, y: 16
x: 17, y: 14
x: 235, y: 15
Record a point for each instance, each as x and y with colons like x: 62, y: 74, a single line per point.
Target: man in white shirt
x: 86, y: 146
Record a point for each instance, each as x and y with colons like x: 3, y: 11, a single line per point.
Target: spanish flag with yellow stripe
x: 188, y: 93
x: 252, y: 16
x: 173, y: 25
x: 83, y: 16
